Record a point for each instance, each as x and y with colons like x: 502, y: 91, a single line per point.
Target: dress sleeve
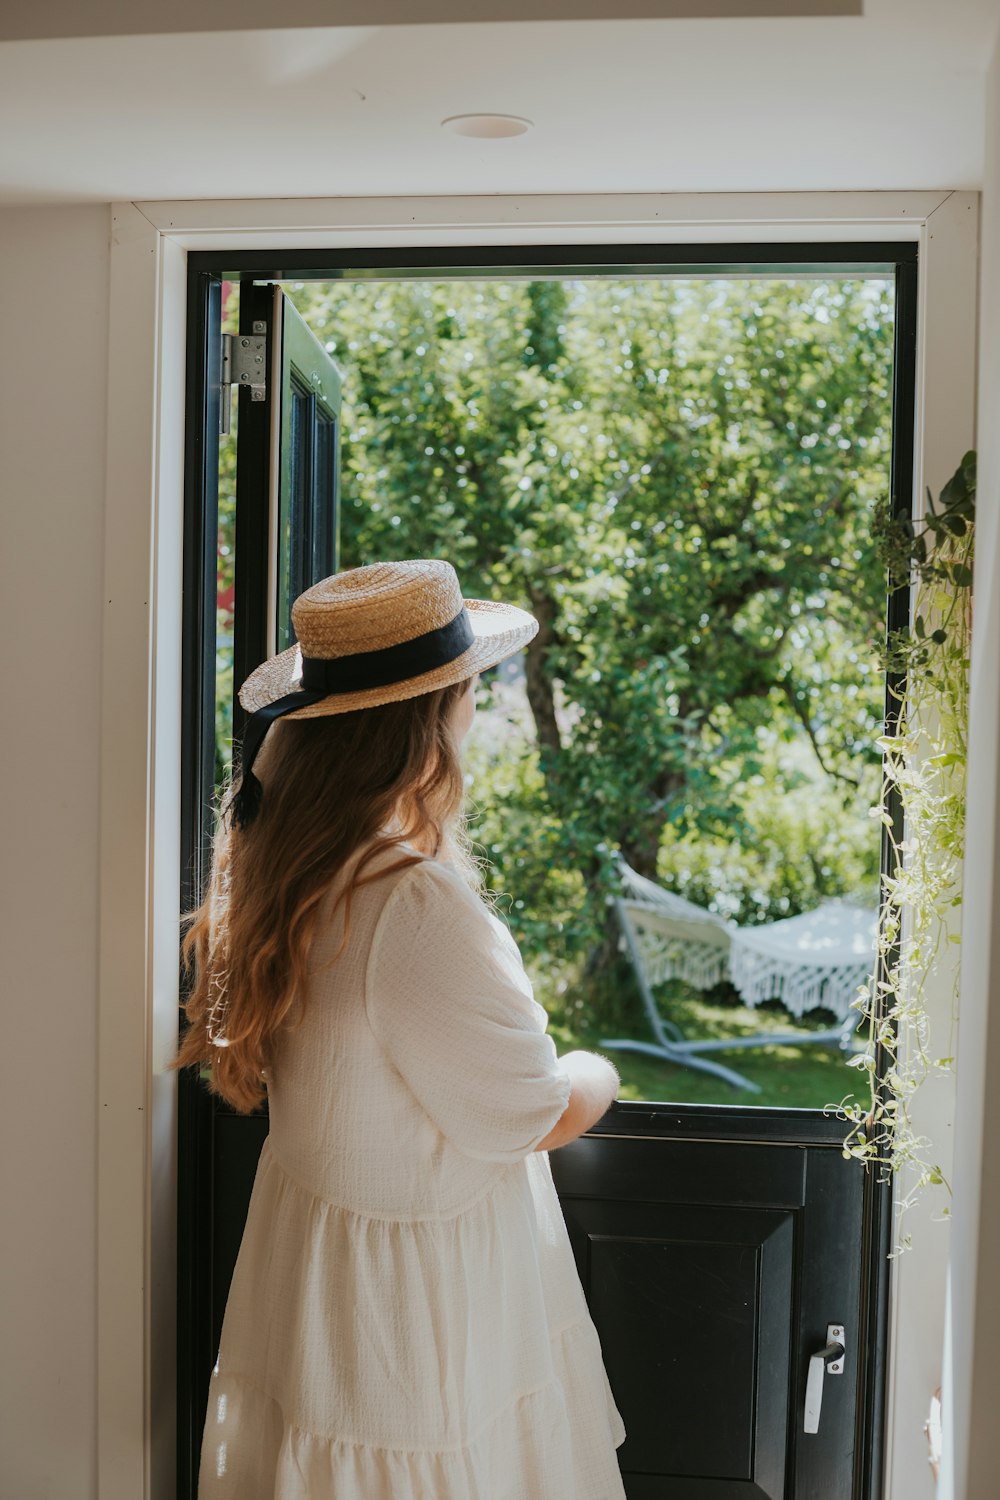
x: 449, y: 1001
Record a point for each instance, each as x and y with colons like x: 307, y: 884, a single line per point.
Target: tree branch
x: 807, y: 725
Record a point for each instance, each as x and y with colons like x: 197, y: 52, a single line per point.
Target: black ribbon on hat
x: 324, y: 678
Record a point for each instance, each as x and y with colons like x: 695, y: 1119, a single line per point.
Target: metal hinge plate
x: 243, y: 357
x: 244, y: 363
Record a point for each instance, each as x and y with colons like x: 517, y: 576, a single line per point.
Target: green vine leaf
x: 922, y: 809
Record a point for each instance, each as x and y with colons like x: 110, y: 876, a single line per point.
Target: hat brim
x: 499, y: 629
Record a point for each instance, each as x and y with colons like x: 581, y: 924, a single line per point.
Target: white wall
x: 972, y: 1392
x: 53, y: 379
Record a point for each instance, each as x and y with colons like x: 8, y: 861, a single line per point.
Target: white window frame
x: 141, y: 702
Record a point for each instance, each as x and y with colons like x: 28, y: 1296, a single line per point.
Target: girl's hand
x: 593, y: 1089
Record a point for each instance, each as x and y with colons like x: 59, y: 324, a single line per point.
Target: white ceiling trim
x: 680, y: 218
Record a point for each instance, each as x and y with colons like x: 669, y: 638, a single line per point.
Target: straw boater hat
x: 369, y: 636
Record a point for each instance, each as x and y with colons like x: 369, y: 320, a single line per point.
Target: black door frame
x: 206, y: 272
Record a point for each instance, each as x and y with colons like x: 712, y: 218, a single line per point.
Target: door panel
x: 712, y: 1270
x: 663, y: 1170
x: 701, y: 1303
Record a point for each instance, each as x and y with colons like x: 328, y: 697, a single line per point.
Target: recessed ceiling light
x: 487, y: 127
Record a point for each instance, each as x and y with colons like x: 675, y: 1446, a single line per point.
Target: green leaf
x: 968, y: 467
x: 954, y: 491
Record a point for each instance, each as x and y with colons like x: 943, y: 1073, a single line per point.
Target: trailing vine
x: 922, y: 810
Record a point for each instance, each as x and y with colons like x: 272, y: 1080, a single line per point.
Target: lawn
x: 808, y: 1076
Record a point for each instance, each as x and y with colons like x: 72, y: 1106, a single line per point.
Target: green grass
x: 811, y: 1076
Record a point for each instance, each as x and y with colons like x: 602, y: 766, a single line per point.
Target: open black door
x: 287, y: 478
x: 287, y: 535
x: 728, y: 1252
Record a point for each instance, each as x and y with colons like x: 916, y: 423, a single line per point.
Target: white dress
x: 405, y: 1320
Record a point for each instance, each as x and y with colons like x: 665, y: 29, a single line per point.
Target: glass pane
x: 295, y: 523
x: 679, y: 478
x: 324, y: 558
x: 307, y: 526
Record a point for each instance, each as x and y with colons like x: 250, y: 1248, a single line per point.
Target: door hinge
x: 244, y: 362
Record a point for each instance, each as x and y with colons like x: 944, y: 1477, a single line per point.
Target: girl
x: 405, y: 1320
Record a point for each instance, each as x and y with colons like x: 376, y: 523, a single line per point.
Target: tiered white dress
x: 406, y: 1321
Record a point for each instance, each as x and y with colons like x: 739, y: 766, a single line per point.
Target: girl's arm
x: 593, y: 1090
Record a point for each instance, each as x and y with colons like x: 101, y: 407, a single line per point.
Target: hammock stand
x: 818, y: 958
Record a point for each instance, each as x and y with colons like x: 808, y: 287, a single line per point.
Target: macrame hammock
x: 819, y: 958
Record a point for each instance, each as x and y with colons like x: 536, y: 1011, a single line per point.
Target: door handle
x: 829, y: 1359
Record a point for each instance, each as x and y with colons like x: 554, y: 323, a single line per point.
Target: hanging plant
x: 922, y: 809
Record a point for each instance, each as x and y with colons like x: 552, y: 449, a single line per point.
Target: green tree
x: 676, y: 478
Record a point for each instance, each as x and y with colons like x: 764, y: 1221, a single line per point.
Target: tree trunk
x: 539, y: 684
x: 641, y: 845
x: 640, y: 848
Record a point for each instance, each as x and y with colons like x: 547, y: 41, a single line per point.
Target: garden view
x: 679, y: 478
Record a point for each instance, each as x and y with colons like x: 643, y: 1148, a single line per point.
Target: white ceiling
x: 892, y: 99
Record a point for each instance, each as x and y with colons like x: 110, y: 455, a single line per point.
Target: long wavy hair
x: 335, y: 787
